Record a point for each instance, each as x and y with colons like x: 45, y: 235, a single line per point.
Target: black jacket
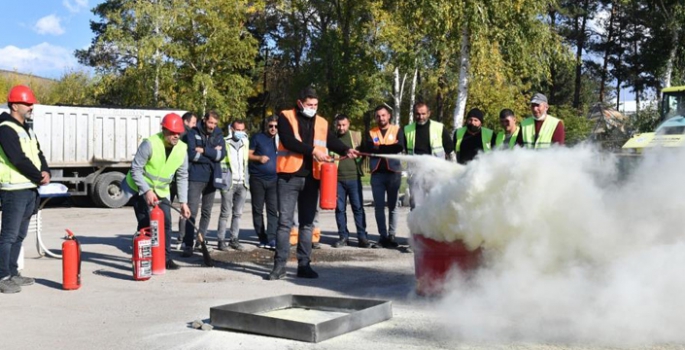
x: 9, y: 141
x: 306, y: 146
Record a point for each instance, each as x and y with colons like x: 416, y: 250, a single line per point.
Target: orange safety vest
x: 390, y: 138
x: 289, y: 162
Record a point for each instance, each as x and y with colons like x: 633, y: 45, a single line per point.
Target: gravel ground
x: 111, y: 311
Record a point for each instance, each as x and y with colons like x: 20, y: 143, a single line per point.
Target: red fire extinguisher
x: 71, y: 262
x: 142, y: 255
x: 158, y: 243
x: 329, y: 186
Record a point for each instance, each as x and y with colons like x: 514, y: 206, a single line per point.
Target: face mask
x: 238, y: 135
x: 309, y: 112
x: 472, y: 128
x: 542, y: 117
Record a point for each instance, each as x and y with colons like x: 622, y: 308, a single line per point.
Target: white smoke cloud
x: 571, y: 254
x: 49, y: 25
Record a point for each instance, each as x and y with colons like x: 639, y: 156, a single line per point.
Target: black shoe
x: 391, y: 242
x: 187, y: 252
x: 306, y: 272
x: 277, y: 273
x: 236, y: 245
x: 221, y: 246
x: 316, y: 245
x: 363, y: 243
x: 340, y: 243
x: 171, y: 265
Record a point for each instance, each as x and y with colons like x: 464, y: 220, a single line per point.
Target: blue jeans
x: 353, y: 190
x: 303, y: 191
x: 199, y: 192
x: 382, y: 183
x: 17, y: 209
x: 232, y: 202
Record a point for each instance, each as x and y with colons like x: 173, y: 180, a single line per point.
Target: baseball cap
x: 538, y: 99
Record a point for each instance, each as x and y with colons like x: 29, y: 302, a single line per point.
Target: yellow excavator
x: 671, y: 131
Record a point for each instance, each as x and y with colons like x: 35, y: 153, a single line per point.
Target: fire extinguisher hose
x: 206, y: 257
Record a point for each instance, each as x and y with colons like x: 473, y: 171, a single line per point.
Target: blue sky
x: 39, y: 36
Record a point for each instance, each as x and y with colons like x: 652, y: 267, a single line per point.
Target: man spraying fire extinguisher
x: 158, y: 158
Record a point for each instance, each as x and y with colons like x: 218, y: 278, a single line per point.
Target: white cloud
x: 43, y: 59
x: 49, y: 25
x: 77, y: 5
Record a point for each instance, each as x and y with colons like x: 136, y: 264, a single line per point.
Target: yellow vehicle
x: 671, y: 131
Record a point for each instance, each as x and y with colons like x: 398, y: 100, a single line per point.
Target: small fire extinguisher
x: 142, y: 255
x: 71, y: 262
x: 158, y: 241
x: 329, y: 186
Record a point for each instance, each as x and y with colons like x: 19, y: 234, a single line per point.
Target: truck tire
x: 107, y: 190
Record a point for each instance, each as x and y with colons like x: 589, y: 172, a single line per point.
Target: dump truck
x: 671, y: 131
x: 90, y: 149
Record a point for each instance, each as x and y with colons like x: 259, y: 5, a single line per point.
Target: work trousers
x: 17, y: 208
x: 264, y: 193
x: 351, y: 189
x: 303, y: 191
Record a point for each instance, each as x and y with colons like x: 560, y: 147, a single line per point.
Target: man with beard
x: 205, y: 152
x: 472, y: 138
x: 22, y: 169
x: 425, y: 136
x: 541, y: 130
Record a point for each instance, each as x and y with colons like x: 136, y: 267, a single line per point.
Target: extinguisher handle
x: 70, y: 235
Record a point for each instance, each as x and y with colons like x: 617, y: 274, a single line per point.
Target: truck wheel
x: 107, y: 190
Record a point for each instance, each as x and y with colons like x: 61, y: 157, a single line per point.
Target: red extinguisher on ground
x: 71, y: 262
x: 158, y: 241
x: 142, y: 255
x: 329, y: 186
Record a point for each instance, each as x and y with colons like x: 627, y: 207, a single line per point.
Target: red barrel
x: 71, y: 263
x: 329, y: 186
x: 158, y: 243
x: 434, y: 259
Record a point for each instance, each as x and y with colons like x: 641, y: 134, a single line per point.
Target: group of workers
x: 190, y: 159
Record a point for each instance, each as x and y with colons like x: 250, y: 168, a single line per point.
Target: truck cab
x: 671, y: 131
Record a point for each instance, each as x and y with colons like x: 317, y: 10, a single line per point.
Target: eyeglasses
x: 273, y: 126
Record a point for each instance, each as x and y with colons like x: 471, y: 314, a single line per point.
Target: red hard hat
x: 173, y: 123
x: 21, y: 94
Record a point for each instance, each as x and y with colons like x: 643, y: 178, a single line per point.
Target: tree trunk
x: 398, y: 91
x: 607, y: 52
x: 671, y: 57
x: 462, y: 85
x: 412, y: 97
x: 580, y: 42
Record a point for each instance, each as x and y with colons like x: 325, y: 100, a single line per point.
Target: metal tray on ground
x: 301, y: 317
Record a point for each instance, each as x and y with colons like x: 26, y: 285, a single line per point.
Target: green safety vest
x: 226, y: 164
x: 544, y: 139
x: 159, y: 170
x: 10, y: 178
x: 436, y: 129
x: 512, y: 142
x: 485, y: 135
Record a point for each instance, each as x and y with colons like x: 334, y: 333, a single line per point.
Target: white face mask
x: 309, y: 112
x: 542, y: 117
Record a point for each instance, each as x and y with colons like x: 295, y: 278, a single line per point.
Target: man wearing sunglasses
x: 263, y: 183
